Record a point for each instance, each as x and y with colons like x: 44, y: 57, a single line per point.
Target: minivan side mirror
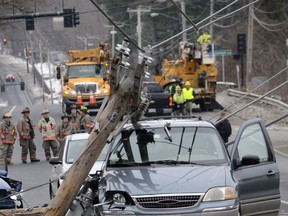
x: 250, y: 160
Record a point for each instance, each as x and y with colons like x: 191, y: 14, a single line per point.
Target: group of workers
x: 53, y: 135
x: 182, y: 98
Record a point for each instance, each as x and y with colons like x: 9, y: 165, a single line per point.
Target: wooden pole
x: 80, y: 169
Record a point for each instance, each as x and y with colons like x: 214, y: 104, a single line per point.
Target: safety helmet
x: 83, y: 109
x: 7, y: 115
x: 25, y: 110
x: 187, y: 83
x: 65, y: 116
x: 73, y: 106
x: 178, y: 88
x: 45, y: 111
x: 173, y: 80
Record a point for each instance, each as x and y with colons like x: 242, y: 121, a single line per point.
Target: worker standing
x: 224, y: 127
x: 75, y: 117
x: 178, y: 102
x: 172, y: 87
x: 85, y: 120
x: 8, y: 136
x: 64, y: 129
x: 47, y: 127
x: 25, y: 128
x: 188, y: 93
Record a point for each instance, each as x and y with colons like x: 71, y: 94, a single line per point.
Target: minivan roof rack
x: 171, y: 117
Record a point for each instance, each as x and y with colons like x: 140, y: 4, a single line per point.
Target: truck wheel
x: 202, y: 107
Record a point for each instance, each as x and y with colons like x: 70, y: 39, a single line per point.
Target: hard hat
x: 7, y: 115
x: 25, y: 110
x: 178, y: 88
x: 83, y: 109
x: 73, y: 106
x: 173, y: 80
x: 65, y: 116
x: 187, y: 83
x: 45, y: 111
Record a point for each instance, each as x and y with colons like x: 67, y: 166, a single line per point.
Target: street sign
x: 223, y: 52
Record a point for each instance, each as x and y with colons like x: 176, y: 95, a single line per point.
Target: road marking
x: 281, y: 153
x: 13, y: 108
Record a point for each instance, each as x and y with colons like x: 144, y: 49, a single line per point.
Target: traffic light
x: 68, y: 18
x: 76, y: 18
x: 5, y: 40
x: 241, y: 43
x: 29, y: 55
x: 29, y: 24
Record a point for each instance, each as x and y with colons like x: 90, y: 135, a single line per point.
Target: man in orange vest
x: 188, y: 93
x: 8, y: 136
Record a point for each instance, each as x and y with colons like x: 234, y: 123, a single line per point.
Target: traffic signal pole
x: 72, y: 14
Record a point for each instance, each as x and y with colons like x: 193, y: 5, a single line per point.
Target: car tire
x: 51, y: 194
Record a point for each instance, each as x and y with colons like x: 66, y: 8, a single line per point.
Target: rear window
x: 153, y: 87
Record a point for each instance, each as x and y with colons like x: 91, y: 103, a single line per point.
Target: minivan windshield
x: 178, y: 145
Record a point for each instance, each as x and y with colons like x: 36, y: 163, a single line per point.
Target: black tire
x: 22, y: 86
x: 3, y: 88
x: 50, y: 190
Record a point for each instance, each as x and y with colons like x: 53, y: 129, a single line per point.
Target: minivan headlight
x: 220, y: 193
x: 119, y: 199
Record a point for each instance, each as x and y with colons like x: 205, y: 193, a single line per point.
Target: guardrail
x: 252, y: 96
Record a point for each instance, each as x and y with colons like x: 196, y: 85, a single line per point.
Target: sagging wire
x: 252, y: 102
x: 192, y: 23
x: 99, y: 8
x: 229, y: 14
x: 248, y: 93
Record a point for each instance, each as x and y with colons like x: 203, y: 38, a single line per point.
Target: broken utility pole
x: 108, y: 122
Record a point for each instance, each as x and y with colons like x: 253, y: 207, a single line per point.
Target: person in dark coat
x: 224, y: 127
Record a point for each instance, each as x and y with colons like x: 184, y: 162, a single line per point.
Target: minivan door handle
x: 271, y: 172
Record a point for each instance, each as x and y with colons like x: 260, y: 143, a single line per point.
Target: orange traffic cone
x: 79, y: 99
x: 91, y: 99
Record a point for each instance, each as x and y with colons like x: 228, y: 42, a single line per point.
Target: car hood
x: 166, y: 180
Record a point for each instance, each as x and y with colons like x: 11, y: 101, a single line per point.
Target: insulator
x: 143, y: 106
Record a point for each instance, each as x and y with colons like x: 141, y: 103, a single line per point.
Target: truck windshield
x: 97, y: 70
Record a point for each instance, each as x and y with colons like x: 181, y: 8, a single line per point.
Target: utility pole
x: 139, y: 11
x: 50, y: 81
x: 211, y: 17
x: 108, y: 121
x: 249, y: 45
x: 113, y: 32
x: 183, y: 20
x: 41, y: 62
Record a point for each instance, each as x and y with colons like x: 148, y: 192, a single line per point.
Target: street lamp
x: 161, y: 14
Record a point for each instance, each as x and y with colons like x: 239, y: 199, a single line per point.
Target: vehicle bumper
x: 232, y: 210
x: 158, y: 112
x: 96, y: 107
